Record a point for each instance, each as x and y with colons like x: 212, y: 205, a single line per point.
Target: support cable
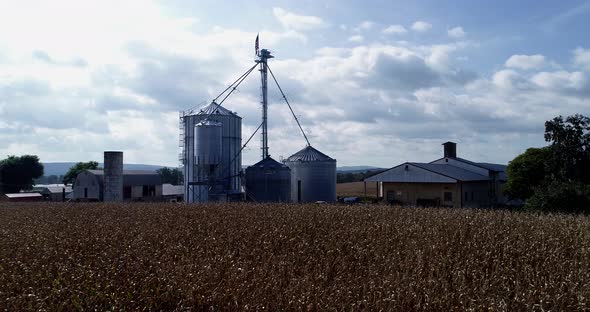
x: 233, y: 88
x: 287, y: 101
x: 229, y: 87
x: 239, y: 153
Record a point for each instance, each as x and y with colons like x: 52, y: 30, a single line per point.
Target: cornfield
x: 281, y: 257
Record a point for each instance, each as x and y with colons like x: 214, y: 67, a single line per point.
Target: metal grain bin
x: 231, y: 142
x: 208, y: 153
x: 313, y: 176
x: 268, y: 181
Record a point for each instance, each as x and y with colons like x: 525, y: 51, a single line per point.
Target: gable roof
x: 450, y: 171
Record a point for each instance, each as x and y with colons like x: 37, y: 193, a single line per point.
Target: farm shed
x: 449, y: 182
x: 53, y: 192
x: 173, y: 192
x: 137, y: 185
x: 23, y: 197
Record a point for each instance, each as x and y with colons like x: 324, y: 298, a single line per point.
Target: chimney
x: 450, y: 149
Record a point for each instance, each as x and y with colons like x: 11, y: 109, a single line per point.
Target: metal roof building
x: 448, y: 181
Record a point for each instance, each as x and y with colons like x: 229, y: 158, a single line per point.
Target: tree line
x: 555, y: 177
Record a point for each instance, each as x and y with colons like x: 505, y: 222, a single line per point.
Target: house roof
x: 452, y: 172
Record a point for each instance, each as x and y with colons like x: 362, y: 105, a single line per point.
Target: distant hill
x: 60, y: 168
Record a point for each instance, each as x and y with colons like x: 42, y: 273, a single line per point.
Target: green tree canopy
x: 18, y: 173
x: 570, y: 148
x: 73, y: 172
x: 526, y: 172
x: 557, y: 177
x: 170, y: 175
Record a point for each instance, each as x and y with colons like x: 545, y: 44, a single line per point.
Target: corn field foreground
x: 289, y: 257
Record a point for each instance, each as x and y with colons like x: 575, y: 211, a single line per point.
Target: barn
x: 138, y: 185
x: 450, y: 181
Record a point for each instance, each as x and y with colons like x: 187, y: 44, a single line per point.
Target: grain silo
x: 268, y: 181
x: 313, y: 176
x: 228, y: 172
x: 208, y: 145
x: 113, y: 176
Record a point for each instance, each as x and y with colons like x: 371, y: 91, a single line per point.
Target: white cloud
x: 394, y: 29
x: 456, y: 32
x: 421, y: 26
x: 561, y: 80
x: 526, y: 61
x: 365, y: 25
x: 582, y: 58
x: 296, y: 22
x: 356, y: 38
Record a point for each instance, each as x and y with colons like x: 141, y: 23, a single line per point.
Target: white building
x: 137, y: 185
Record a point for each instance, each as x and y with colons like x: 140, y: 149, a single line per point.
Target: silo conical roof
x: 309, y: 154
x: 216, y: 109
x: 268, y: 162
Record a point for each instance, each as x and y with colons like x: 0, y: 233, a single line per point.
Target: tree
x: 18, y: 173
x: 570, y: 148
x: 73, y: 172
x: 170, y: 175
x: 526, y: 172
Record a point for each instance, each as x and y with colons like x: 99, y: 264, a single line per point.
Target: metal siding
x: 318, y: 180
x: 231, y: 137
x: 268, y: 181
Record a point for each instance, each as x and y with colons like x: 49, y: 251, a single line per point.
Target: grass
x: 356, y: 189
x: 289, y: 257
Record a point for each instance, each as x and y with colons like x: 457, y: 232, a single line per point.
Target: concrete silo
x: 313, y: 176
x: 113, y: 176
x: 268, y: 181
x: 230, y: 164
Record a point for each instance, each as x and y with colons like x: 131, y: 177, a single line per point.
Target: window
x: 448, y: 196
x: 85, y: 192
x: 466, y: 196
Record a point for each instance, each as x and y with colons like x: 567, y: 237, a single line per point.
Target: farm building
x: 173, y: 193
x: 53, y: 192
x: 449, y: 182
x: 23, y: 197
x: 137, y: 185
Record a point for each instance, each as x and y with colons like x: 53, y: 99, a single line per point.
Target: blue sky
x: 373, y: 83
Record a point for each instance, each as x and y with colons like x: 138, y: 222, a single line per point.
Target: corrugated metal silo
x: 207, y: 159
x: 268, y: 181
x: 113, y: 176
x: 231, y: 142
x: 313, y: 176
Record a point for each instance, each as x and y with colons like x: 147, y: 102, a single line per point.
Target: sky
x: 372, y: 82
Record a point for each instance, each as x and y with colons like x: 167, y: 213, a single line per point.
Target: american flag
x: 256, y: 46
